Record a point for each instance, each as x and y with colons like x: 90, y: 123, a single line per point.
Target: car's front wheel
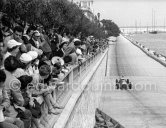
x: 130, y: 86
x: 117, y: 86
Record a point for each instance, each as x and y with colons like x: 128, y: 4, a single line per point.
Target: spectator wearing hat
x: 12, y: 86
x: 25, y: 62
x: 12, y: 48
x: 17, y: 36
x: 6, y: 122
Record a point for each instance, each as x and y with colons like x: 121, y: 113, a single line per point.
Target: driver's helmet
x: 122, y: 78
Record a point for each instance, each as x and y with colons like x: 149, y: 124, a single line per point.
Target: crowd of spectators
x: 33, y: 62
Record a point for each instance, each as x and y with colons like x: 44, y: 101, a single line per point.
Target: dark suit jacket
x: 60, y: 53
x: 32, y: 43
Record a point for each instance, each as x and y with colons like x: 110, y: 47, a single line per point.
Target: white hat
x: 57, y: 59
x: 78, y: 51
x: 64, y: 40
x: 36, y: 33
x: 12, y: 43
x: 25, y: 58
x: 33, y: 54
x: 76, y: 40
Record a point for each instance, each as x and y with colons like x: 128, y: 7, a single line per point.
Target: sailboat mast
x: 152, y: 19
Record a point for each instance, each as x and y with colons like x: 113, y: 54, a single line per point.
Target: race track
x: 145, y: 105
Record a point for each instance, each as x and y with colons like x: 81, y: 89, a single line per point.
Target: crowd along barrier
x: 72, y: 80
x: 77, y: 73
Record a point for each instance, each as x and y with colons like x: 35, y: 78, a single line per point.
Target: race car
x: 123, y: 84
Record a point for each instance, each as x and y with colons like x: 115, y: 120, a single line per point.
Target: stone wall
x: 83, y: 115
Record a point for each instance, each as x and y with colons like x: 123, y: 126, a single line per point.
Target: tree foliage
x: 52, y: 14
x: 111, y: 28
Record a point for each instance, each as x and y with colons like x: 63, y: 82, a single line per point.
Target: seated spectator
x: 6, y: 122
x: 30, y: 103
x: 12, y: 86
x: 45, y: 78
x: 44, y: 89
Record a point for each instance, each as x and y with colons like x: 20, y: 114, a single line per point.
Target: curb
x: 146, y: 52
x: 65, y: 115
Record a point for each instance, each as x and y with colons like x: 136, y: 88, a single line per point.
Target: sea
x: 155, y: 42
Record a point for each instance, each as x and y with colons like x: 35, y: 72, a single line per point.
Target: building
x: 87, y: 7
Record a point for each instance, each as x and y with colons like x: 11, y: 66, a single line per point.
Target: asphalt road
x: 145, y: 105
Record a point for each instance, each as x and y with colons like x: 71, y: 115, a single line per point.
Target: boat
x: 153, y: 23
x: 153, y: 32
x: 105, y: 121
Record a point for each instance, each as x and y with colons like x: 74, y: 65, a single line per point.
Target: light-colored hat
x: 25, y: 58
x: 33, y: 54
x: 36, y: 33
x: 78, y: 51
x: 57, y: 59
x: 64, y: 40
x: 12, y: 43
x: 76, y: 40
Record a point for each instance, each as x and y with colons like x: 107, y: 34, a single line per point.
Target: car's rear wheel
x: 130, y: 86
x: 117, y: 86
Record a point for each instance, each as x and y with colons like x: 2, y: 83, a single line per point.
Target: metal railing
x: 78, y: 73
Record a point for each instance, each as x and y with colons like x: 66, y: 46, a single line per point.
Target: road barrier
x: 158, y: 57
x: 75, y: 82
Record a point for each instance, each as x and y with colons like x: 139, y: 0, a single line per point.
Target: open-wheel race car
x: 123, y: 83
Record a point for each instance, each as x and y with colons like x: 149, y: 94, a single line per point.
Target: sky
x: 131, y: 12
